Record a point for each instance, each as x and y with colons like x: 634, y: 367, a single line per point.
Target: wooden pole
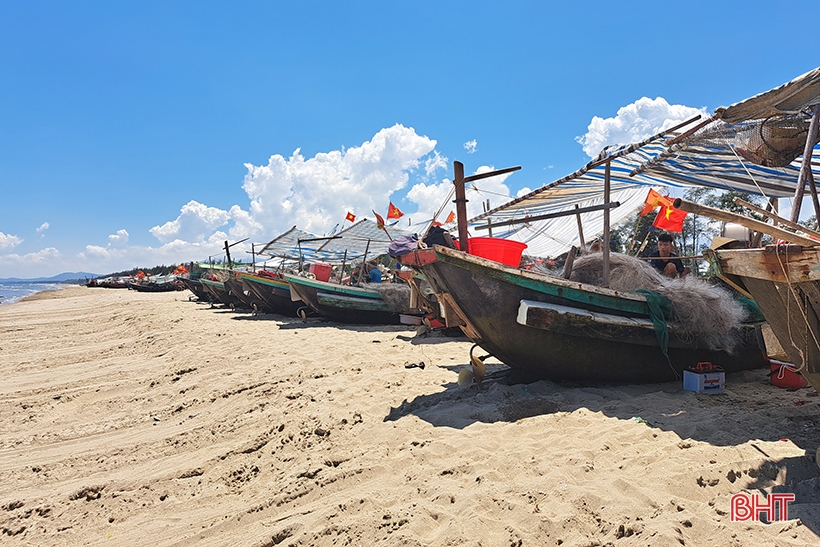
x: 342, y: 272
x: 605, y: 262
x: 814, y: 200
x: 776, y: 218
x: 461, y: 206
x: 720, y: 214
x: 364, y: 263
x: 228, y: 254
x: 805, y: 167
x: 580, y: 228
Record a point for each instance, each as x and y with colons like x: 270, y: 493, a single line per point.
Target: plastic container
x: 321, y: 270
x: 406, y: 319
x: 784, y: 375
x: 505, y: 251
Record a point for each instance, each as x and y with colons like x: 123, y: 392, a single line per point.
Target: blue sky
x: 134, y: 134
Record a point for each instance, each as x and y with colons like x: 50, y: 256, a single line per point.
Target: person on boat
x: 667, y: 263
x: 375, y: 275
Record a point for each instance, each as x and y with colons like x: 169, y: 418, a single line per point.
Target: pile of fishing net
x: 395, y: 295
x: 698, y: 310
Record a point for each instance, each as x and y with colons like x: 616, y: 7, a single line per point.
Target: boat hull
x: 235, y: 287
x: 274, y: 292
x: 196, y: 287
x: 220, y: 294
x: 343, y: 303
x: 572, y: 344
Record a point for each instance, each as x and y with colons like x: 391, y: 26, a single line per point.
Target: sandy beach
x: 148, y: 419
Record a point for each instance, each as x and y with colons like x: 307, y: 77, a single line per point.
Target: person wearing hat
x: 667, y: 263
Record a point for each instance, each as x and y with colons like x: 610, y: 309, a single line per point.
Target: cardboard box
x: 704, y: 381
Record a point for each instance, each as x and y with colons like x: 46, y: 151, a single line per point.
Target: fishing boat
x: 164, y: 284
x: 344, y: 303
x: 195, y: 286
x: 274, y: 291
x: 549, y: 327
x: 220, y: 294
x: 330, y: 297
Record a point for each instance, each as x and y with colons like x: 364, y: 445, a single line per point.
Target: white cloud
x: 194, y: 223
x: 429, y: 197
x: 37, y: 260
x: 119, y: 239
x: 43, y: 227
x: 434, y: 163
x: 470, y: 146
x: 635, y: 122
x: 8, y: 241
x: 315, y: 193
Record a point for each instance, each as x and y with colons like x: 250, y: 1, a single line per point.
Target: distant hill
x: 59, y: 278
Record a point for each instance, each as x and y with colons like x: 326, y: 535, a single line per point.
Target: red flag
x: 450, y: 218
x: 393, y: 211
x: 351, y: 217
x: 379, y: 220
x: 670, y: 219
x: 653, y: 199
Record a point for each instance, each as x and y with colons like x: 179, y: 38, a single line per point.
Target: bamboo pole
x: 720, y: 214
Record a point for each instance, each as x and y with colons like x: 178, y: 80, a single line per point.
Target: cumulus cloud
x: 315, y: 193
x: 119, y: 239
x: 635, y: 122
x: 43, y: 227
x: 194, y: 222
x: 8, y: 241
x: 470, y: 146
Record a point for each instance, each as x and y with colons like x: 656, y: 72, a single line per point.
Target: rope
x: 802, y: 313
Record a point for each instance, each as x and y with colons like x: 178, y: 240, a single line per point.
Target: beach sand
x: 145, y: 419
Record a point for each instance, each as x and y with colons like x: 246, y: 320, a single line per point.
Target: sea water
x: 12, y: 292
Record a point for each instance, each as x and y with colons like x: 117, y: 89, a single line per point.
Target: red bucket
x: 505, y: 251
x: 321, y: 270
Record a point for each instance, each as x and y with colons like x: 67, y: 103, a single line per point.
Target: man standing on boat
x: 666, y: 263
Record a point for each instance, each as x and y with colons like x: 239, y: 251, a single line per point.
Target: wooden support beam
x: 720, y: 214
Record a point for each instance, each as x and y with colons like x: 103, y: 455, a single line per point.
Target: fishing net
x: 395, y: 295
x: 700, y: 311
x: 775, y: 142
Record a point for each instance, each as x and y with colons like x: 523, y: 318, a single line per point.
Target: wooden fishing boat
x: 235, y: 287
x: 220, y: 294
x: 343, y: 303
x: 274, y: 291
x: 549, y: 327
x: 195, y: 286
x: 155, y: 286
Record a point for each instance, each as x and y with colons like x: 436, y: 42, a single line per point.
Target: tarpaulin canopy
x: 349, y: 244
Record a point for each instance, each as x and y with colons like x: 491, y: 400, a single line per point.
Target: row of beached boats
x: 605, y: 317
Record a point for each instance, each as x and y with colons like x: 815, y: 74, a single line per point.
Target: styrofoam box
x: 704, y: 382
